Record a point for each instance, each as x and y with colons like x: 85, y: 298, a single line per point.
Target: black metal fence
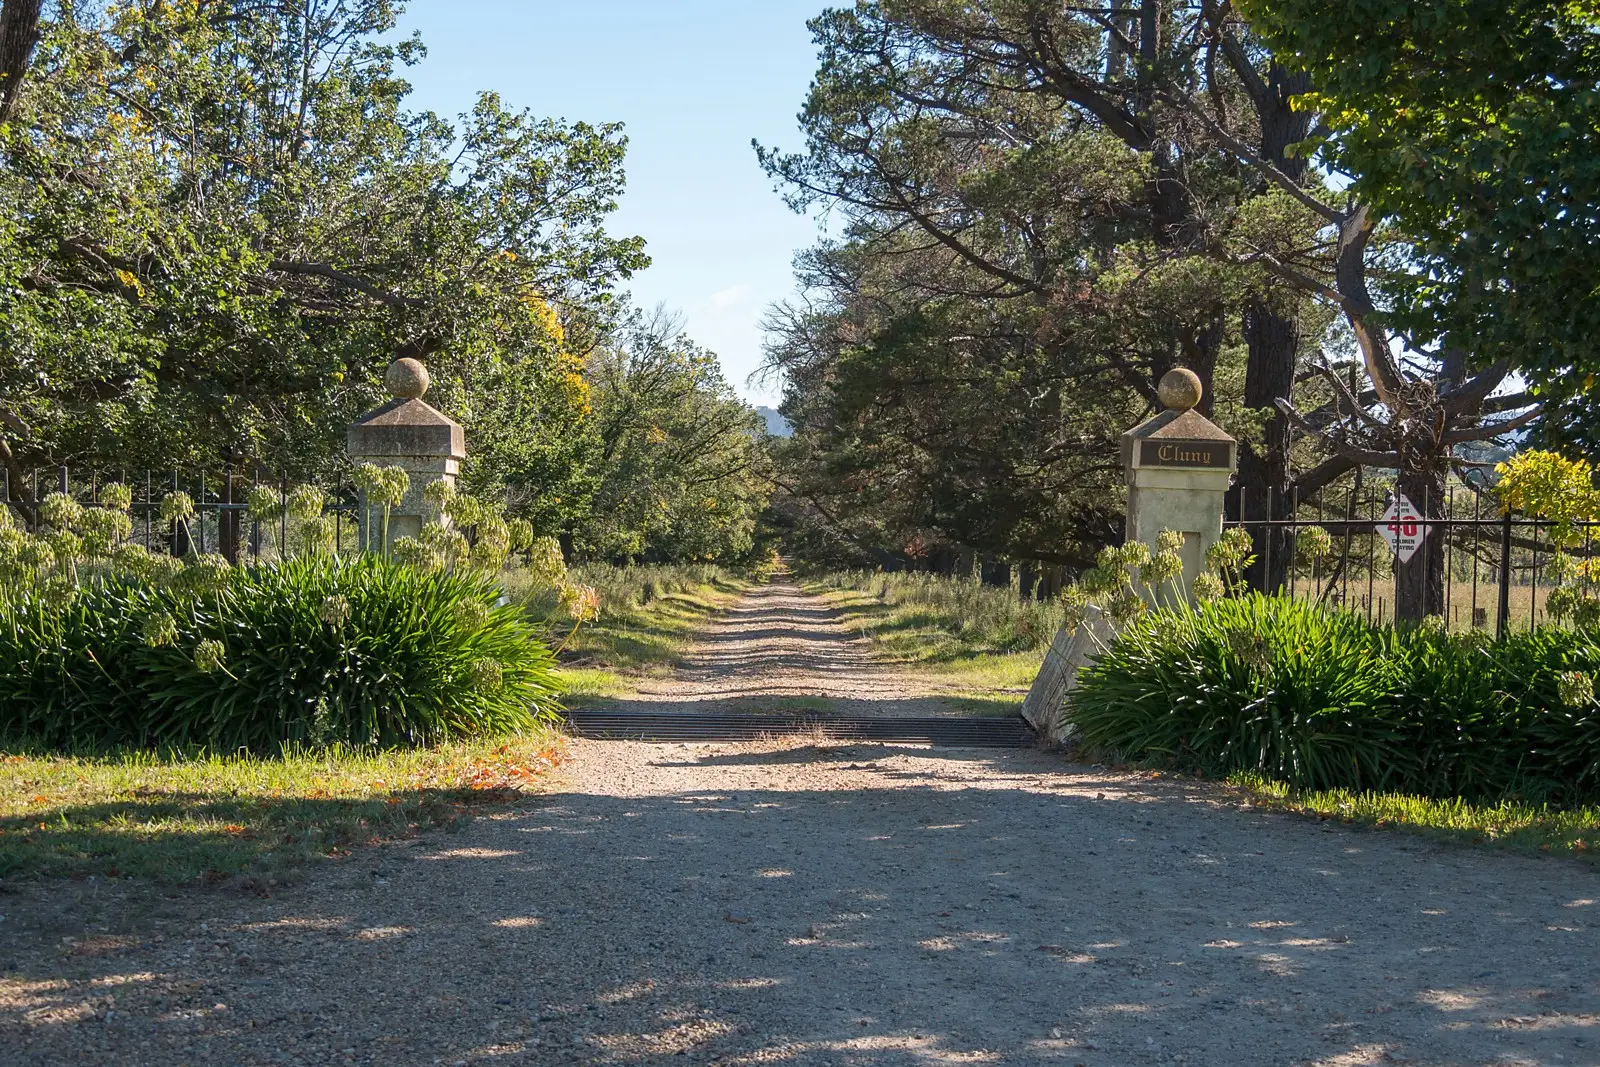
x: 1496, y: 568
x: 222, y: 522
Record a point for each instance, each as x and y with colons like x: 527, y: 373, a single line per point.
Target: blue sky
x: 694, y: 81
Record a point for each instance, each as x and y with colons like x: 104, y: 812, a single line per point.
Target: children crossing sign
x: 1402, y: 527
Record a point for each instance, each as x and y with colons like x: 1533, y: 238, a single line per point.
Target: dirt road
x: 834, y: 904
x: 779, y: 644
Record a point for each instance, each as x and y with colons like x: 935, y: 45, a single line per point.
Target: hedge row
x: 1321, y: 699
x: 312, y: 651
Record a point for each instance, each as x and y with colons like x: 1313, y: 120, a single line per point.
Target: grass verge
x: 980, y: 645
x: 649, y: 615
x: 1507, y: 824
x: 207, y: 819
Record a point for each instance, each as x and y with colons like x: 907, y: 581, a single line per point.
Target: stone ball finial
x: 1179, y: 389
x: 406, y: 379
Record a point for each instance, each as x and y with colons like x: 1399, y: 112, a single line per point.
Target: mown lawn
x: 1507, y: 825
x: 208, y: 819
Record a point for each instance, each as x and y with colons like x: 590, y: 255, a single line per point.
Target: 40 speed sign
x: 1402, y: 527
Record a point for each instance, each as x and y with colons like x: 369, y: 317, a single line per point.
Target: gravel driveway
x: 794, y: 903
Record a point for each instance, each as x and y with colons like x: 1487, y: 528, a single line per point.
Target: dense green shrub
x: 1322, y: 699
x: 316, y: 650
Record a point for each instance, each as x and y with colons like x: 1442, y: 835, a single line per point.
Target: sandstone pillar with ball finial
x: 1179, y: 465
x: 408, y: 433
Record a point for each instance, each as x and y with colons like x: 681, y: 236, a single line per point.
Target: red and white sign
x: 1402, y: 527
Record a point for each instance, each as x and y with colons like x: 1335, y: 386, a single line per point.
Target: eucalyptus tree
x: 679, y: 467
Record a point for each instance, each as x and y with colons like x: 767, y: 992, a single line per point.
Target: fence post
x: 227, y: 518
x: 1505, y: 577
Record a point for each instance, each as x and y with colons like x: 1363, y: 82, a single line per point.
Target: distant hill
x: 777, y: 425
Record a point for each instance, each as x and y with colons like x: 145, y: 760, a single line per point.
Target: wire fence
x: 222, y: 522
x: 1493, y: 570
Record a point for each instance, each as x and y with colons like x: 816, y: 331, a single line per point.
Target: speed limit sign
x: 1402, y: 527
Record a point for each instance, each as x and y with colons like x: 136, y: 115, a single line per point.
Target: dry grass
x: 983, y: 644
x: 204, y: 818
x: 649, y: 616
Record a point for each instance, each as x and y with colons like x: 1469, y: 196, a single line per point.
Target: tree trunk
x: 19, y: 33
x: 1419, y: 582
x: 1027, y: 578
x: 1272, y: 341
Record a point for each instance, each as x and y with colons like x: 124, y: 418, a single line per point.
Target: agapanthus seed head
x: 159, y: 630
x: 264, y: 503
x: 176, y: 506
x: 472, y: 615
x: 1164, y: 566
x: 60, y: 511
x: 414, y: 553
x: 1576, y: 688
x: 210, y: 655
x: 487, y: 676
x: 439, y: 493
x: 335, y: 610
x: 1208, y: 586
x: 116, y: 496
x: 306, y: 502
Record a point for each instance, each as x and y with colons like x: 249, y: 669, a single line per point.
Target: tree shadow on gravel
x: 1010, y: 913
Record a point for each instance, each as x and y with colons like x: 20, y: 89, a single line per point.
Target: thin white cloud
x: 730, y: 297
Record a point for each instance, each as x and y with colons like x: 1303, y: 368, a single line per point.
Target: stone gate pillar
x: 1178, y: 465
x: 410, y: 434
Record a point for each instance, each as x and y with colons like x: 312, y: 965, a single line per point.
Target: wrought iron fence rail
x: 214, y: 497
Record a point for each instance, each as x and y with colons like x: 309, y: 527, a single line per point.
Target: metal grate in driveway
x: 973, y: 732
